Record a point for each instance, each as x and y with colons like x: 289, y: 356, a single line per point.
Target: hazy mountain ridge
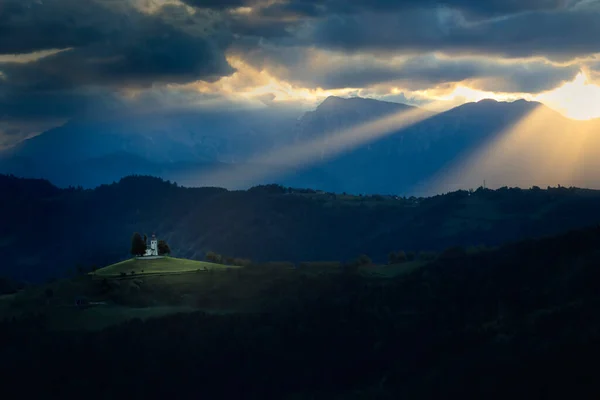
x: 397, y: 162
x: 219, y: 137
x: 335, y: 114
x: 411, y: 161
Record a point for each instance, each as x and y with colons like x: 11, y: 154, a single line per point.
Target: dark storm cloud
x: 220, y: 4
x: 470, y: 7
x: 27, y: 26
x: 559, y: 35
x: 121, y: 47
x: 127, y: 49
x: 153, y: 55
x: 114, y: 46
x: 292, y: 9
x: 557, y: 29
x: 313, y: 68
x: 259, y: 27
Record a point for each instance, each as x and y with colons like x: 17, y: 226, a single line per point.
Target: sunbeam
x: 282, y: 160
x: 542, y: 149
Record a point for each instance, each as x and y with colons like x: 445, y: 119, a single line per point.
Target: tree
x: 401, y: 257
x: 453, y: 252
x: 163, y: 248
x: 364, y: 259
x: 427, y: 255
x: 138, y: 247
x: 7, y: 286
x: 397, y: 257
x: 214, y: 257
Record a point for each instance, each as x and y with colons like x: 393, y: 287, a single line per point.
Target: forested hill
x: 46, y: 231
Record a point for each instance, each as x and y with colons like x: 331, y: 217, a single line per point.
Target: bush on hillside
x: 163, y: 248
x: 333, y: 265
x: 7, y: 286
x: 397, y: 257
x: 364, y: 259
x: 138, y: 246
x: 213, y: 257
x: 453, y: 252
x: 427, y: 255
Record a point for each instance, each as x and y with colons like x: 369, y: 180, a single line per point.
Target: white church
x: 152, y: 248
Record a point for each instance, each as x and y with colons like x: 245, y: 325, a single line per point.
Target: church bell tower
x: 153, y: 245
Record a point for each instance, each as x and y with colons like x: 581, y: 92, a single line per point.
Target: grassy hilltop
x: 138, y: 288
x: 166, y: 265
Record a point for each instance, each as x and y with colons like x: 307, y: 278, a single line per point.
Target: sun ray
x: 282, y: 160
x: 542, y: 149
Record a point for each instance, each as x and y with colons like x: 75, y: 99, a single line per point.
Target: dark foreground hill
x: 46, y: 231
x: 519, y: 322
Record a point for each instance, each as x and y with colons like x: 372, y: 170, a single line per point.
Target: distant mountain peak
x: 522, y: 102
x: 487, y: 101
x: 336, y: 103
x: 486, y: 105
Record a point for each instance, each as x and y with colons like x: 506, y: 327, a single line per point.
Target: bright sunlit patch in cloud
x: 445, y: 97
x: 579, y: 99
x: 29, y: 57
x: 465, y: 94
x: 252, y: 84
x: 241, y: 10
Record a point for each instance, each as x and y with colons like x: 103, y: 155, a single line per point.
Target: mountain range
x: 519, y: 143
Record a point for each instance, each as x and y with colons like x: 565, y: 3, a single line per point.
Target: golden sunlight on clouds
x: 473, y: 95
x: 241, y: 11
x: 29, y: 57
x: 146, y: 6
x: 579, y: 99
x: 447, y: 96
x: 460, y: 94
x: 251, y: 84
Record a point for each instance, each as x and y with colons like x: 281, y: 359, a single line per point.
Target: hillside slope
x: 166, y: 265
x: 49, y: 231
x: 517, y: 322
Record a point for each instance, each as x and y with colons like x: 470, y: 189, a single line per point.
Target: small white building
x: 152, y: 248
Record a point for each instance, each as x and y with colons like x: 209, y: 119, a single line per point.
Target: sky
x: 67, y: 59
